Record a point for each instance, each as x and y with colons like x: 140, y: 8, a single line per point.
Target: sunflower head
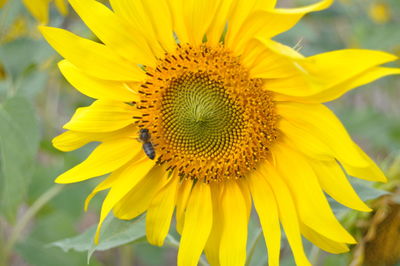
x: 233, y: 119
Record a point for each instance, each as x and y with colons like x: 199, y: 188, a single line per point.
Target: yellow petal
x: 213, y: 243
x: 105, y: 184
x: 179, y: 25
x: 71, y: 140
x: 198, y: 16
x: 320, y: 122
x: 197, y: 227
x: 112, y: 31
x: 102, y: 116
x: 107, y: 157
x: 267, y: 211
x: 97, y: 88
x: 140, y: 196
x: 372, y: 172
x: 337, y: 91
x: 305, y: 142
x: 240, y: 11
x: 246, y: 196
x: 93, y: 58
x: 280, y: 49
x: 159, y: 214
x: 334, y: 182
x: 323, y: 242
x: 39, y: 9
x: 313, y: 207
x: 265, y: 63
x: 234, y: 228
x: 162, y: 22
x: 181, y: 202
x: 269, y: 23
x: 332, y: 68
x: 127, y: 178
x: 327, y: 76
x: 134, y: 13
x: 287, y: 212
x: 217, y: 26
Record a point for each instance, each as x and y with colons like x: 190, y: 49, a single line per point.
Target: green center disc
x: 199, y: 117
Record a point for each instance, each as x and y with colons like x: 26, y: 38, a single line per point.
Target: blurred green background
x: 39, y: 220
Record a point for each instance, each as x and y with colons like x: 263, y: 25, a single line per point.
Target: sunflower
x: 40, y: 8
x: 199, y: 112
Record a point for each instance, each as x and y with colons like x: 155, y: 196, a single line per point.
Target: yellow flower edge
x: 236, y: 119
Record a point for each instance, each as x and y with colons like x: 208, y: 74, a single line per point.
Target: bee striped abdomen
x: 149, y: 150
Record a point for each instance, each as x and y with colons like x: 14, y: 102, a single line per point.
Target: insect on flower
x: 148, y: 148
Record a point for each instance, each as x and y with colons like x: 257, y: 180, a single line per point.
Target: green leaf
x: 54, y: 224
x: 31, y: 82
x: 114, y: 233
x: 18, y: 55
x: 37, y: 254
x: 19, y: 140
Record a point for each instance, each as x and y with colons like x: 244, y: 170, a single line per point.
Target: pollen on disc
x: 208, y: 119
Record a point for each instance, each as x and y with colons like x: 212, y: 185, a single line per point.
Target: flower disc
x: 208, y: 119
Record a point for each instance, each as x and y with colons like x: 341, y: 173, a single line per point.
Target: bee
x: 144, y: 136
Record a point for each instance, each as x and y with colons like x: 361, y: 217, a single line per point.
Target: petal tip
x: 60, y: 180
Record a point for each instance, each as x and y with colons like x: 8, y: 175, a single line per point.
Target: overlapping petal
x: 72, y: 140
x: 107, y: 157
x: 95, y: 87
x: 334, y: 182
x: 91, y: 57
x: 140, y: 196
x: 197, y: 226
x: 313, y: 207
x: 266, y: 63
x: 162, y: 22
x: 322, y: 125
x: 234, y: 225
x: 181, y: 202
x: 213, y: 243
x: 267, y: 210
x: 102, y: 116
x: 323, y: 242
x: 288, y: 213
x: 265, y: 22
x: 159, y: 213
x: 324, y: 77
x: 114, y: 32
x: 126, y: 178
x: 219, y: 23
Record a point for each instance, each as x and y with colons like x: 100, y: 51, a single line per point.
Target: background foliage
x: 44, y: 224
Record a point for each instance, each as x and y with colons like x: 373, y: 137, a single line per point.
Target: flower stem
x: 27, y: 217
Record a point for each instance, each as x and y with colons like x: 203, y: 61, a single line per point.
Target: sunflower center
x: 208, y: 119
x: 199, y: 116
